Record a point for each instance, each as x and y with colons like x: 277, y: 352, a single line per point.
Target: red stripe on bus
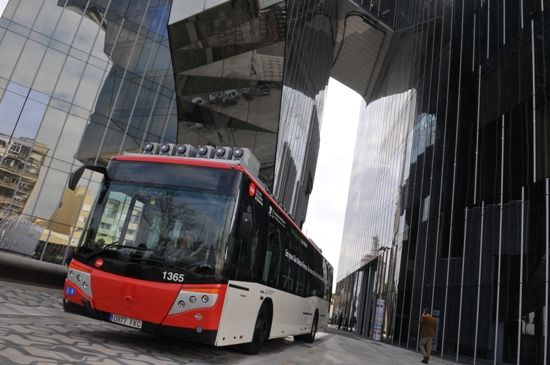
x: 189, y: 161
x: 77, y: 265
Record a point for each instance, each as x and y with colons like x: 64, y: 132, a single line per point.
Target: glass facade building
x: 255, y: 73
x: 83, y: 80
x: 449, y: 203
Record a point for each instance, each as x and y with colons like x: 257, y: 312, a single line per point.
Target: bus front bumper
x: 189, y: 334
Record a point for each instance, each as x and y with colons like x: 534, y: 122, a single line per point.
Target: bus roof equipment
x: 242, y: 156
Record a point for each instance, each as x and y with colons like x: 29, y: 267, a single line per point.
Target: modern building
x: 83, y: 80
x: 448, y: 204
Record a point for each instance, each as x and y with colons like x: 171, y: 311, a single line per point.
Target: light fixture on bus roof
x: 186, y: 150
x: 151, y: 148
x: 224, y: 153
x: 241, y: 155
x: 205, y: 151
x: 168, y: 149
x: 238, y: 153
x: 248, y: 159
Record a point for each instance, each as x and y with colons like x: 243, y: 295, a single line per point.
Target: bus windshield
x: 164, y: 214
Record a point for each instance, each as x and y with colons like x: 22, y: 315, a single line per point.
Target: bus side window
x: 320, y: 282
x: 309, y: 277
x: 286, y: 280
x: 300, y: 272
x: 317, y: 285
x: 272, y: 256
x: 246, y: 268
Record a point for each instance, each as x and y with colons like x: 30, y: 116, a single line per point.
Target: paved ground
x: 35, y: 330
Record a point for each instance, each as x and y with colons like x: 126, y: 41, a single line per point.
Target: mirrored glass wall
x: 83, y: 80
x: 80, y: 81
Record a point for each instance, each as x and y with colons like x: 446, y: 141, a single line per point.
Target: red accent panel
x: 251, y: 189
x: 134, y: 298
x: 98, y: 263
x: 210, y: 316
x: 77, y: 265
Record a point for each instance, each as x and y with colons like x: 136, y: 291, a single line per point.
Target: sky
x: 3, y: 4
x: 327, y: 203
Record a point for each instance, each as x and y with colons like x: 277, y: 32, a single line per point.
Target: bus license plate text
x: 125, y: 321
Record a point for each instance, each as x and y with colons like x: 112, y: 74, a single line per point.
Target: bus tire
x: 261, y: 331
x: 310, y: 337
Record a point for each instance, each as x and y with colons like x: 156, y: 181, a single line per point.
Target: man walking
x: 427, y: 332
x: 340, y: 320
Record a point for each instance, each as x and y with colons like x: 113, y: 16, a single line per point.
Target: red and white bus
x: 188, y: 243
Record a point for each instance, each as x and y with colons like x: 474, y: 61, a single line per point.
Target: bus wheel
x: 310, y: 337
x: 260, y: 332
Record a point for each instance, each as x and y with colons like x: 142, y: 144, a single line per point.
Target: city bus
x: 187, y: 242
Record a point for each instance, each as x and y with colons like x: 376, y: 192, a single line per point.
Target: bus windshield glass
x: 164, y: 214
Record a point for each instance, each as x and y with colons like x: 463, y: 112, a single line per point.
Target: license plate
x: 125, y: 321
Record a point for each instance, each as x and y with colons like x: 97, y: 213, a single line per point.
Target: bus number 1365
x: 173, y: 276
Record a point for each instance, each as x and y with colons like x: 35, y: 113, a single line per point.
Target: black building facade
x: 449, y: 199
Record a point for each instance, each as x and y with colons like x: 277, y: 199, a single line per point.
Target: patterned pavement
x: 35, y: 330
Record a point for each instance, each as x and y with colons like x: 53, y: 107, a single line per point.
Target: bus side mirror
x: 75, y: 176
x: 245, y: 225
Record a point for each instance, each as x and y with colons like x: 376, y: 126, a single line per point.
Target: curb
x: 28, y: 270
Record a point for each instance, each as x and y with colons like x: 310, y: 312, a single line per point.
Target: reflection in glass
x: 228, y: 60
x: 20, y: 164
x: 27, y: 66
x: 10, y: 107
x: 232, y: 98
x: 27, y: 125
x: 69, y: 79
x: 135, y: 94
x: 48, y: 73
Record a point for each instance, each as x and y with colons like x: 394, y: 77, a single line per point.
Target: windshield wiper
x: 115, y: 247
x: 161, y: 261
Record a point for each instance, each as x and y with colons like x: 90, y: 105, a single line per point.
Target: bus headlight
x: 187, y: 300
x: 81, y: 280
